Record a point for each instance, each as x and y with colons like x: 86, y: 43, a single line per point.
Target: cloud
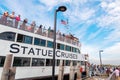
x: 111, y: 15
x: 113, y: 50
x: 110, y: 20
x: 92, y: 51
x: 109, y: 54
x: 30, y: 10
x: 49, y: 4
x: 94, y: 34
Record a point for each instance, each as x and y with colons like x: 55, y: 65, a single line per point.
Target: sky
x: 95, y: 22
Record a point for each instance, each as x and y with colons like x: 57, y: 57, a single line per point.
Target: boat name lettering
x: 16, y: 48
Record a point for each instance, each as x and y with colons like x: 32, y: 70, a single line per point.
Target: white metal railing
x: 111, y: 77
x: 37, y: 30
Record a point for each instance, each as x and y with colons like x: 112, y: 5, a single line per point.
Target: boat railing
x: 111, y: 77
x: 37, y: 30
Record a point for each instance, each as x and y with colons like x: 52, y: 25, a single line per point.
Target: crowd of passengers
x: 15, y: 21
x: 96, y: 70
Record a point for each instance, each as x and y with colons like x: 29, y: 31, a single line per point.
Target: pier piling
x: 71, y: 77
x: 8, y: 72
x: 61, y: 70
x: 78, y: 72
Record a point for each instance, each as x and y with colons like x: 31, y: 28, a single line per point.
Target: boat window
x: 82, y: 63
x: 24, y: 39
x: 20, y: 38
x: 49, y: 62
x: 60, y: 46
x: 74, y: 63
x: 50, y: 44
x: 77, y: 50
x: 63, y: 62
x: 74, y: 49
x: 20, y: 61
x: 57, y: 62
x: 38, y: 62
x: 68, y: 48
x: 2, y: 60
x: 67, y: 63
x: 7, y: 36
x: 28, y: 39
x: 40, y: 42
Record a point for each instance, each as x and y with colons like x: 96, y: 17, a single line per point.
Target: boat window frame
x: 22, y: 39
x: 2, y: 60
x: 67, y: 62
x: 22, y: 61
x: 38, y: 62
x: 49, y: 62
x: 68, y: 48
x: 41, y: 42
x: 60, y: 46
x: 5, y: 35
x: 49, y: 44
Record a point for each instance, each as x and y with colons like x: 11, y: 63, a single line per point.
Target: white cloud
x: 92, y: 51
x: 112, y: 14
x: 110, y: 20
x: 49, y: 4
x: 113, y: 36
x: 94, y: 34
x: 79, y: 15
x: 109, y: 54
x: 30, y: 10
x: 113, y: 50
x: 86, y: 13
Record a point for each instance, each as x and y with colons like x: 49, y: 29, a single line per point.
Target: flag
x: 64, y: 22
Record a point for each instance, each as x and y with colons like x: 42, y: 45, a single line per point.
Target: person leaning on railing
x: 23, y: 26
x: 117, y: 73
x: 11, y: 19
x: 4, y: 18
x: 32, y: 25
x: 39, y: 30
x: 17, y: 19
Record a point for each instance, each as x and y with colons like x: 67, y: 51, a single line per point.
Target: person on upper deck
x: 39, y: 30
x: 49, y: 32
x: 33, y: 24
x: 58, y: 34
x: 17, y: 19
x: 23, y: 26
x: 44, y: 31
x: 11, y: 19
x: 4, y: 18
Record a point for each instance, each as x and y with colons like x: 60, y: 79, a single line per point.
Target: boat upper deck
x: 40, y: 30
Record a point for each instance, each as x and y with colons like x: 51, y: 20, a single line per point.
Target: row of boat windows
x: 24, y: 61
x: 37, y: 41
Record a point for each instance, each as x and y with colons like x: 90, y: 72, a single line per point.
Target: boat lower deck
x: 66, y: 77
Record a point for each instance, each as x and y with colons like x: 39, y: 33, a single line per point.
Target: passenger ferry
x: 32, y: 49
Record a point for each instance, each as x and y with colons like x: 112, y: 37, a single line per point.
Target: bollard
x: 61, y: 70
